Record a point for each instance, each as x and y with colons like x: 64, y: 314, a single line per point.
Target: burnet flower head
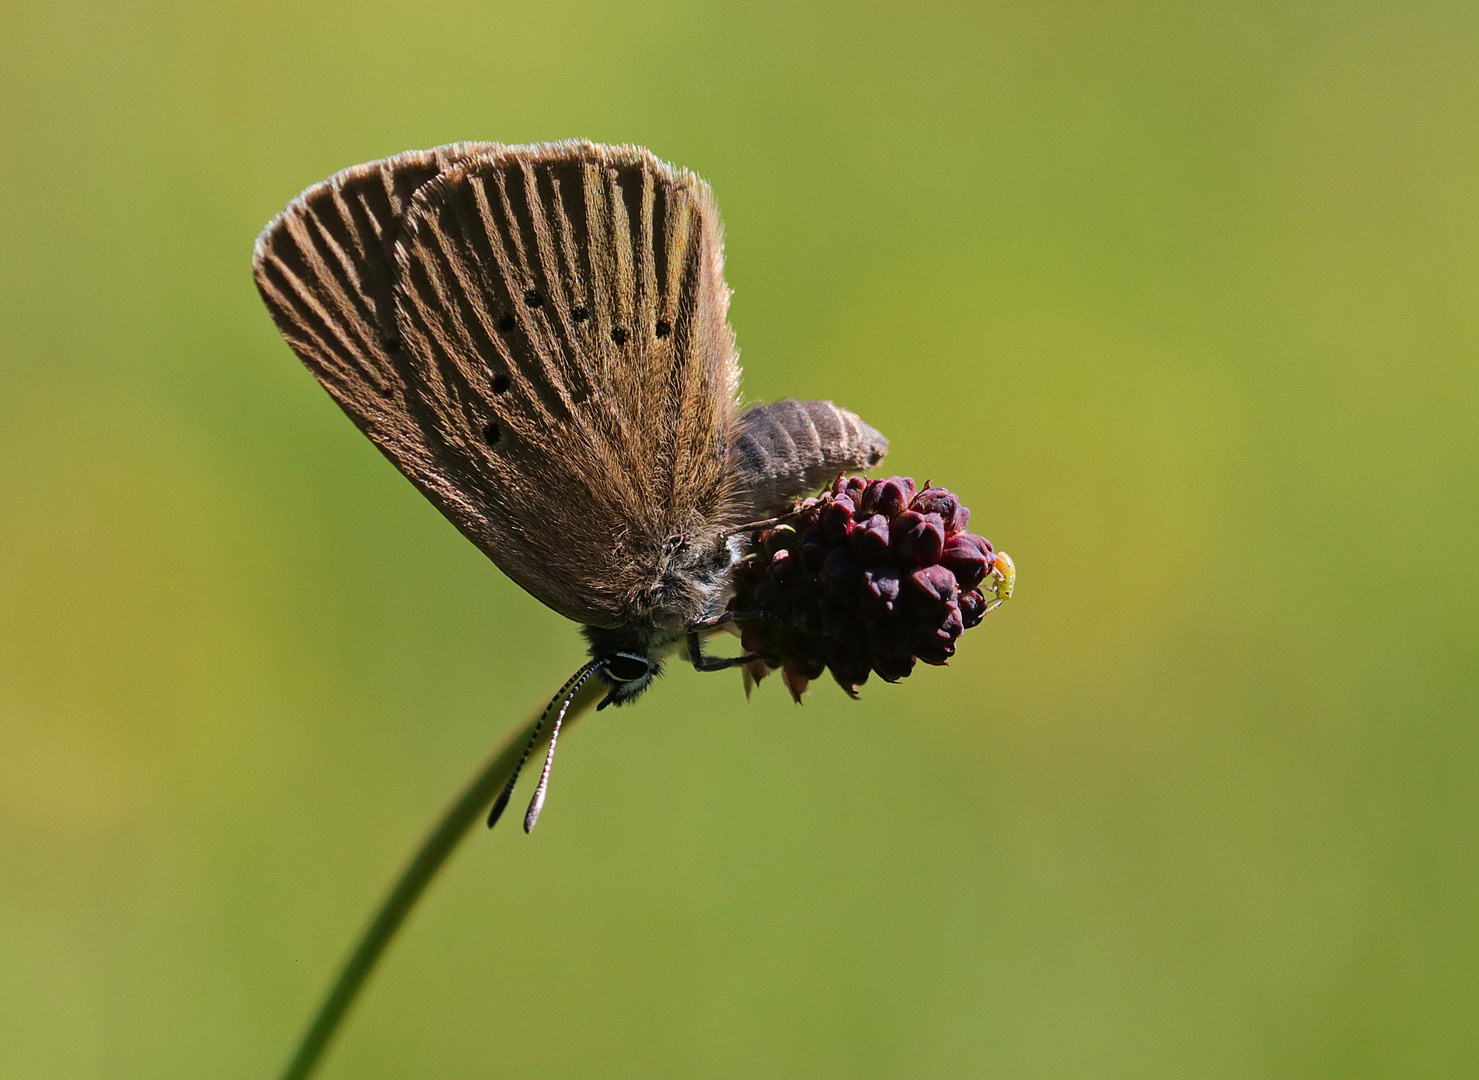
x: 866, y: 579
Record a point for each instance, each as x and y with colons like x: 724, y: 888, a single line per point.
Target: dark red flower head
x: 868, y: 578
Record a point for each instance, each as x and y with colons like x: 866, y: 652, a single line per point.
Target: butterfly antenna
x: 576, y: 681
x: 536, y: 804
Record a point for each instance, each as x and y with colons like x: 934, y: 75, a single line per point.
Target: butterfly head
x: 626, y: 674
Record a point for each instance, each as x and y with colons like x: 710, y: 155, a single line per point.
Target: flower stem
x: 465, y: 811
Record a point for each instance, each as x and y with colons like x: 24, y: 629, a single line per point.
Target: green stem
x: 465, y: 811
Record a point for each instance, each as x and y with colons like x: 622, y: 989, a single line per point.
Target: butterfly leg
x: 721, y: 663
x: 756, y: 526
x: 728, y: 617
x: 713, y: 663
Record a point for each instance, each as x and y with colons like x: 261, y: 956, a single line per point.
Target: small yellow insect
x: 1004, y: 576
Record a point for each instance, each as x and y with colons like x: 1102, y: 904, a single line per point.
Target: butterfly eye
x: 626, y: 667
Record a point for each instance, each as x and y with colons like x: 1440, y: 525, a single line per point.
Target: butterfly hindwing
x: 790, y: 448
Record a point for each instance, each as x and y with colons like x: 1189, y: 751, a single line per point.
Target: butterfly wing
x: 790, y: 448
x: 555, y: 370
x: 325, y: 268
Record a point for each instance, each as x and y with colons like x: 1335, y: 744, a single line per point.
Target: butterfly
x: 537, y: 338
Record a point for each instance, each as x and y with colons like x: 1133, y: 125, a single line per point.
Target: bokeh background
x: 1180, y: 297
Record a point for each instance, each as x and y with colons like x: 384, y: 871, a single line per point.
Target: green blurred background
x: 1181, y: 298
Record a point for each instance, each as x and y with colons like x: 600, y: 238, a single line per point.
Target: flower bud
x: 752, y: 639
x: 932, y: 589
x: 917, y: 538
x: 952, y: 626
x: 807, y: 612
x: 780, y: 538
x: 835, y: 517
x: 849, y: 663
x: 840, y: 572
x: 972, y: 608
x: 889, y: 650
x: 890, y: 497
x: 804, y: 652
x: 938, y: 500
x: 813, y: 549
x: 878, y: 591
x: 785, y: 570
x: 894, y: 667
x: 968, y: 557
x: 869, y: 540
x: 840, y: 616
x: 934, y: 646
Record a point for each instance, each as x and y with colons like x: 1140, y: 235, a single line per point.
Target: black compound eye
x: 624, y: 667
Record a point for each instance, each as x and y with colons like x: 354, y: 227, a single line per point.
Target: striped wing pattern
x: 790, y: 448
x: 537, y: 337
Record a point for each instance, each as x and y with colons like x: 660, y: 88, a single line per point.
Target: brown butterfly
x: 536, y: 336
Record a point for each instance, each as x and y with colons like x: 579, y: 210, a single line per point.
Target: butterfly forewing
x: 325, y: 267
x: 537, y: 337
x: 565, y: 308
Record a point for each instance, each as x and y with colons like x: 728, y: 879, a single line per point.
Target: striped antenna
x: 565, y: 694
x: 536, y: 804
